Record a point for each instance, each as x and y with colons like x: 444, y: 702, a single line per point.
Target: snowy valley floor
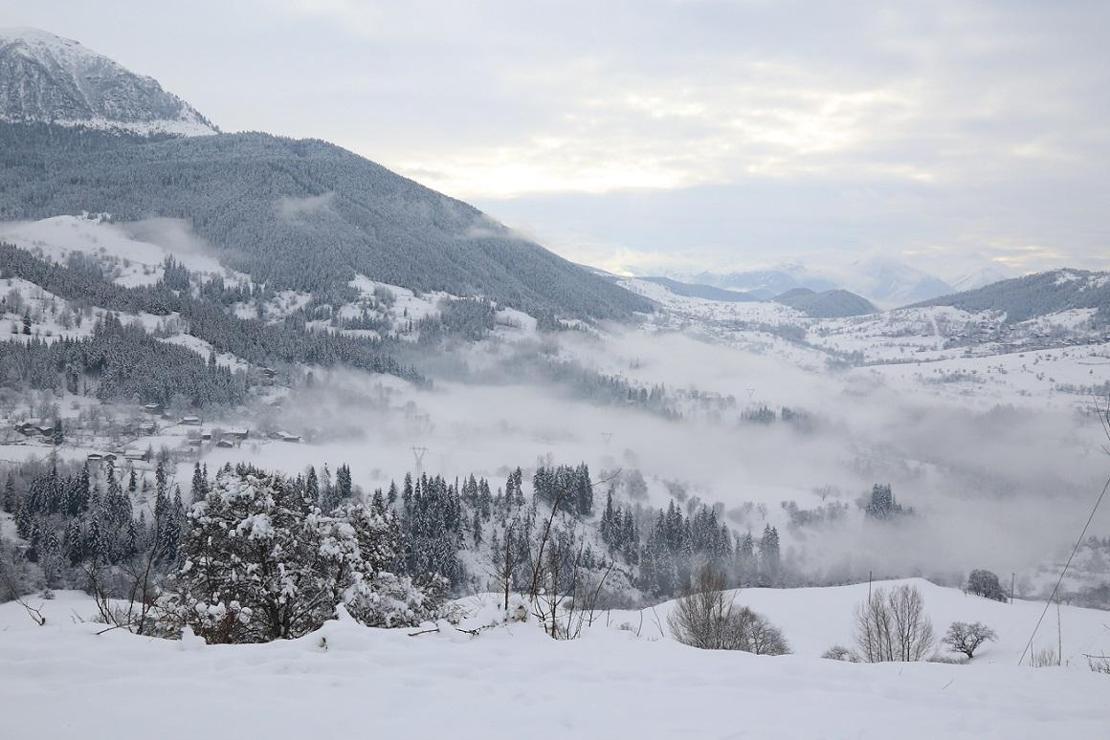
x: 63, y: 681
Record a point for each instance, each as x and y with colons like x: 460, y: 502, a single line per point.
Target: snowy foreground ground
x: 63, y: 681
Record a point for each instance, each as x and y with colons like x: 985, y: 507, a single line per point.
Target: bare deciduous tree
x: 966, y: 638
x: 892, y: 626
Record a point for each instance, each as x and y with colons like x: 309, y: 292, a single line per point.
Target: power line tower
x: 418, y: 455
x: 608, y: 437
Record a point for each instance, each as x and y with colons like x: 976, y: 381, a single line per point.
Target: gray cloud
x: 293, y: 209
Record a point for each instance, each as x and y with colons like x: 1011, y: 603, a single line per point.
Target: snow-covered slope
x: 505, y: 683
x: 48, y: 79
x: 132, y: 254
x: 815, y: 619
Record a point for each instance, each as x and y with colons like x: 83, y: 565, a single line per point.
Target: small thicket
x: 892, y: 626
x: 706, y: 617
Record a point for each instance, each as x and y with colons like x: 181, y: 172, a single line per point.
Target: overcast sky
x: 649, y: 135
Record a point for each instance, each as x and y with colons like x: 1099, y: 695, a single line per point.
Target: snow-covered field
x: 63, y: 680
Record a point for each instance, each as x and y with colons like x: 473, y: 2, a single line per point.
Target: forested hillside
x: 1036, y: 295
x: 300, y: 214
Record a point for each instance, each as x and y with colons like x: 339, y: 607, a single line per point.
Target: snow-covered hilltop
x: 49, y: 79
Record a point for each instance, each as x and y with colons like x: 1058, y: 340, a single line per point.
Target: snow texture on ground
x: 511, y: 682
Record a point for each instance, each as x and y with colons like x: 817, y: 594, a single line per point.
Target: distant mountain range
x: 824, y: 304
x: 885, y: 281
x: 763, y: 285
x: 298, y: 214
x: 1020, y: 299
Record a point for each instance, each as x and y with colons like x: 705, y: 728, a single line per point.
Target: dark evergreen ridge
x: 300, y: 214
x: 1036, y: 295
x: 695, y: 290
x: 828, y: 304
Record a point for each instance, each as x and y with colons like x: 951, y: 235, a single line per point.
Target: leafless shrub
x: 892, y: 626
x: 763, y: 637
x: 702, y: 617
x: 839, y: 652
x: 707, y: 618
x: 1099, y: 663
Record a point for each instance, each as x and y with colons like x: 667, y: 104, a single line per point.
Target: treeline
x: 471, y: 319
x: 603, y: 388
x: 252, y: 340
x: 122, y: 363
x: 463, y: 535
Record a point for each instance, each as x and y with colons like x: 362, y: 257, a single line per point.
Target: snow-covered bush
x: 260, y: 562
x: 388, y: 600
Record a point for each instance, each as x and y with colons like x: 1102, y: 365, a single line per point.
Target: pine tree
x: 73, y: 542
x: 769, y: 556
x: 583, y: 491
x: 407, y: 495
x: 477, y: 527
x: 344, y: 491
x: 200, y: 486
x: 609, y: 524
x: 312, y: 486
x: 8, y: 500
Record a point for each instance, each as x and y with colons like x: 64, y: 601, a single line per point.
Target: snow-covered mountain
x: 49, y: 79
x: 979, y: 278
x: 889, y: 282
